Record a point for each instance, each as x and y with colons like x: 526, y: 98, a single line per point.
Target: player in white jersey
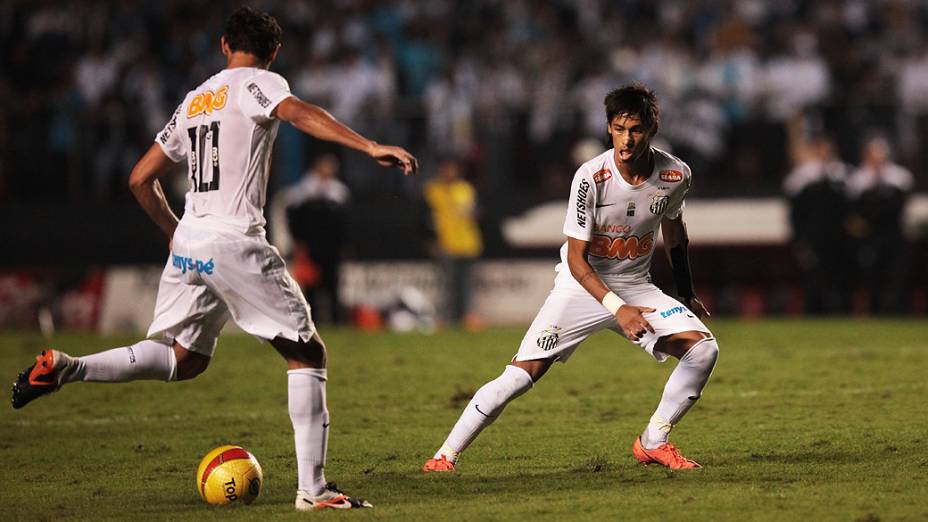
x: 220, y: 265
x: 618, y: 201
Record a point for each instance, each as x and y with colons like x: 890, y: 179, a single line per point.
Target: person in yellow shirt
x: 453, y: 202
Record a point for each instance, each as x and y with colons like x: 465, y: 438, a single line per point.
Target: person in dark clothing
x: 317, y: 214
x: 878, y: 191
x: 818, y: 210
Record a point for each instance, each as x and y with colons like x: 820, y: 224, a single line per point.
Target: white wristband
x: 612, y: 302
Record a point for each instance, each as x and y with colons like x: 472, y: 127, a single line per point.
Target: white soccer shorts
x: 213, y: 275
x: 570, y: 315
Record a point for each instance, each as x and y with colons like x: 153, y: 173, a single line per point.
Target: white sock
x: 483, y: 409
x: 310, y: 417
x: 683, y: 389
x: 146, y: 359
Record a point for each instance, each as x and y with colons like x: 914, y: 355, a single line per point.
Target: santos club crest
x: 659, y: 203
x: 548, y: 338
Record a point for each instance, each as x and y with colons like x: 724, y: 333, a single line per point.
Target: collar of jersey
x: 618, y: 175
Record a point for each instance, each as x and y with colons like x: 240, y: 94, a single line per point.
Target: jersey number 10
x: 200, y: 156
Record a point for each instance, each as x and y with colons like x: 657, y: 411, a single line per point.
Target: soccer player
x: 618, y: 200
x: 220, y: 265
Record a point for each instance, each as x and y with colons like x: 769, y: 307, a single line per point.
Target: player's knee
x: 491, y: 399
x: 515, y: 381
x: 190, y: 364
x: 704, y: 353
x: 300, y: 354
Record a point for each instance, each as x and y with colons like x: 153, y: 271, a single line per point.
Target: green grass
x: 816, y: 420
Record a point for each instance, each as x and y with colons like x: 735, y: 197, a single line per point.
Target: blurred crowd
x: 509, y: 85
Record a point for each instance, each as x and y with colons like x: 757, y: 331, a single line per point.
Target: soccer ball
x: 229, y: 474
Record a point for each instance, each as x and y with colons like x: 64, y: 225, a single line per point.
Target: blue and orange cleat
x: 41, y: 378
x: 440, y: 464
x: 666, y: 455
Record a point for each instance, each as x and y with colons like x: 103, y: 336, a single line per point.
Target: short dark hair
x: 634, y: 100
x: 254, y: 32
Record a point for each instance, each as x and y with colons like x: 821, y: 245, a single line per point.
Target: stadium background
x: 513, y: 88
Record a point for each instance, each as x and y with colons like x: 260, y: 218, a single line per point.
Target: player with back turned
x: 221, y: 265
x: 618, y: 201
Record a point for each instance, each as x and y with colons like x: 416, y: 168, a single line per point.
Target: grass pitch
x: 816, y: 420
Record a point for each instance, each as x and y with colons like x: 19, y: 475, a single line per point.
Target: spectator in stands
x: 453, y: 202
x: 317, y: 215
x: 818, y: 210
x: 878, y: 190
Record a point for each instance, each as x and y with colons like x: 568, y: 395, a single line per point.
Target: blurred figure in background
x: 878, y: 191
x: 317, y: 215
x: 818, y: 210
x: 453, y: 202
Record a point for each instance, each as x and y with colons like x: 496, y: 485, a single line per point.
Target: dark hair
x: 254, y: 32
x: 633, y: 100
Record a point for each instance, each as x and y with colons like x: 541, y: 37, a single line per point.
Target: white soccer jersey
x: 621, y: 220
x: 225, y: 130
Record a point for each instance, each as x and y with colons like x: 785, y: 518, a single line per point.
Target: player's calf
x: 144, y: 360
x: 487, y: 404
x: 683, y: 389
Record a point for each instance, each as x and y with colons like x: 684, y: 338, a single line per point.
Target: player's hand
x: 696, y: 306
x: 632, y: 322
x: 390, y: 156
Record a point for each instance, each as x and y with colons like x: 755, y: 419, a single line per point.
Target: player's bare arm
x: 628, y: 316
x: 676, y: 245
x: 143, y: 181
x: 317, y: 122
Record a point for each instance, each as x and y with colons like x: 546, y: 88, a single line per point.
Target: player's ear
x: 274, y: 55
x: 224, y: 45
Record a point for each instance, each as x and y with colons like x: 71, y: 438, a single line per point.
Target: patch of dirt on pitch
x: 460, y: 398
x: 597, y: 464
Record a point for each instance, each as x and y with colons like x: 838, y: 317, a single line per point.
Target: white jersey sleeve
x: 262, y: 94
x: 170, y: 139
x: 677, y: 203
x: 581, y: 207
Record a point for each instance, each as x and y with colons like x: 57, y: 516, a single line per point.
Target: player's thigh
x: 262, y: 297
x: 670, y: 317
x: 187, y: 311
x: 565, y: 320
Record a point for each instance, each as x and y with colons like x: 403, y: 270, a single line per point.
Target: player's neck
x: 638, y: 170
x: 239, y: 59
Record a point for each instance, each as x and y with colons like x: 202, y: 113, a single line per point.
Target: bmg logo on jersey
x: 627, y: 247
x: 208, y: 101
x: 583, y: 191
x: 194, y: 265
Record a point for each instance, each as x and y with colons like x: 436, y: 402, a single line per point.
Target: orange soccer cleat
x: 666, y: 455
x: 41, y: 378
x: 441, y: 464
